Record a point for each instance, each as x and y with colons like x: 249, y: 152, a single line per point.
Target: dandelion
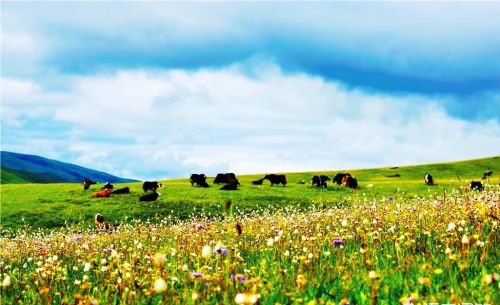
x: 438, y: 271
x: 160, y: 285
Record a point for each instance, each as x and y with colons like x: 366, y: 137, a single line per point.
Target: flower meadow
x: 438, y: 248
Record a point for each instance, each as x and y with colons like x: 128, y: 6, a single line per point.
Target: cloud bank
x: 244, y: 118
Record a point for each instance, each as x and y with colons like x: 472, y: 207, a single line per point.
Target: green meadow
x: 61, y: 205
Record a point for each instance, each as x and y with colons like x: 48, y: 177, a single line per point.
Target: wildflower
x: 451, y: 227
x: 447, y: 251
x: 337, y: 242
x: 465, y: 240
x: 424, y: 281
x: 160, y: 285
x: 372, y: 275
x: 86, y: 267
x: 77, y: 282
x: 220, y: 250
x: 489, y: 278
x: 6, y: 281
x: 77, y: 238
x: 344, y: 222
x: 246, y: 298
x: 206, y: 252
x: 438, y: 271
x: 197, y: 274
x: 159, y: 259
x: 195, y: 296
x: 301, y: 281
x: 239, y: 277
x: 185, y: 268
x: 270, y: 242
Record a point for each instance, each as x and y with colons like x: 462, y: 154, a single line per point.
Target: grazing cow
x: 393, y: 176
x: 124, y: 190
x: 276, y: 179
x: 107, y: 186
x: 476, y: 185
x: 200, y: 180
x: 340, y: 177
x: 151, y: 186
x: 350, y: 182
x: 87, y: 182
x: 428, y: 179
x: 231, y: 185
x: 150, y: 197
x: 320, y: 181
x: 103, y: 193
x: 487, y: 174
x: 258, y: 182
x: 225, y: 178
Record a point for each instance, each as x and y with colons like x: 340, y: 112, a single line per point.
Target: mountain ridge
x: 25, y: 168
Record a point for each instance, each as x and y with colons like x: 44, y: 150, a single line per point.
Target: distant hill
x: 21, y: 168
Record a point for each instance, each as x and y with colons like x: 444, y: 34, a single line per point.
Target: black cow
x: 124, y: 190
x: 225, y: 178
x: 351, y: 182
x: 339, y: 177
x: 87, y: 182
x: 151, y: 186
x: 487, y: 174
x: 231, y: 185
x: 276, y: 179
x: 476, y: 185
x: 320, y: 181
x: 428, y: 179
x: 150, y: 197
x: 200, y: 180
x: 107, y: 186
x: 258, y: 182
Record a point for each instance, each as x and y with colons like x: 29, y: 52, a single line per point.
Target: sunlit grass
x: 440, y: 248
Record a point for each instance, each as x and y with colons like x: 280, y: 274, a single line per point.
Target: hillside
x: 55, y: 205
x: 21, y: 168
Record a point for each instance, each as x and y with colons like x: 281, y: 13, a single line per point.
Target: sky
x: 164, y: 89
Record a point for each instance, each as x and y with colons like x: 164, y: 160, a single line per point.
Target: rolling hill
x: 21, y: 168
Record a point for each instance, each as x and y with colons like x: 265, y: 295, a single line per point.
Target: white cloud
x: 151, y: 124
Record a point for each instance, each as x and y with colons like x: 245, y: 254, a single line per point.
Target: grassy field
x: 59, y: 205
x: 425, y: 249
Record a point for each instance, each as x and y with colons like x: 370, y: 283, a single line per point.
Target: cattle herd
x: 229, y: 182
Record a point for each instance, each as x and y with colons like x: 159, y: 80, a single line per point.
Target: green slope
x: 54, y: 205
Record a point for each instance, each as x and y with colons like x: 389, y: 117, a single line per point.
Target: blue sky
x: 156, y: 90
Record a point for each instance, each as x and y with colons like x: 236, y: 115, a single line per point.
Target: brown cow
x: 104, y: 193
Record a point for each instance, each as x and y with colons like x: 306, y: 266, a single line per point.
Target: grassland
x: 59, y: 205
x: 425, y: 249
